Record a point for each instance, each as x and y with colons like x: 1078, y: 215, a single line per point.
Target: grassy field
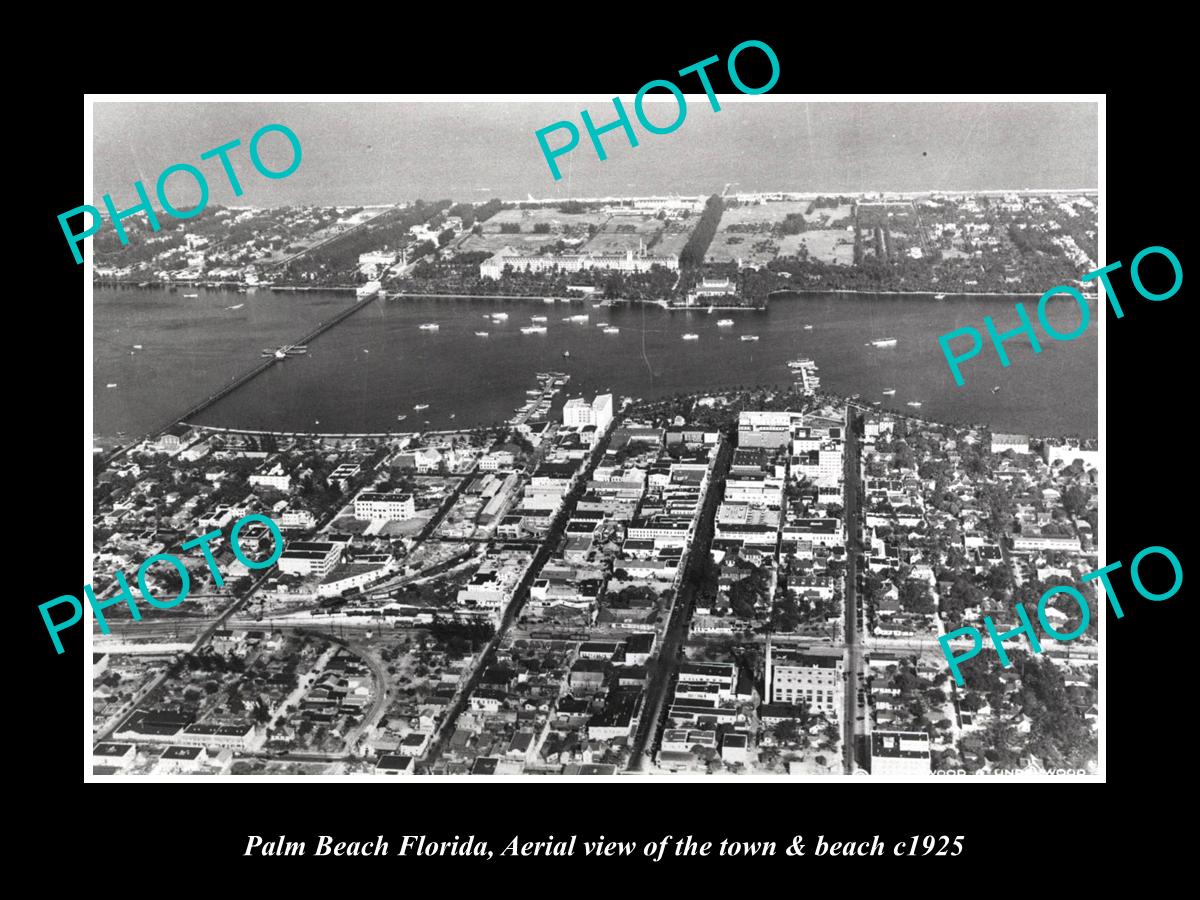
x: 822, y: 217
x: 624, y: 232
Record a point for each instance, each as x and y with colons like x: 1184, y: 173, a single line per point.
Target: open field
x: 768, y: 213
x: 675, y: 236
x: 819, y: 218
x: 827, y: 245
x: 623, y: 232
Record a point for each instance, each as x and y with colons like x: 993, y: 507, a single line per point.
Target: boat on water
x: 533, y: 329
x: 429, y: 326
x: 481, y: 334
x: 537, y: 318
x: 749, y: 337
x: 724, y: 323
x: 111, y: 384
x: 996, y: 389
x: 421, y: 406
x: 883, y: 342
x: 137, y: 346
x: 236, y: 306
x: 401, y: 417
x: 808, y: 328
x: 691, y: 337
x: 889, y: 392
x: 499, y: 317
x: 191, y: 296
x: 915, y: 403
x: 612, y: 329
x: 566, y: 353
x: 452, y: 415
x: 939, y: 296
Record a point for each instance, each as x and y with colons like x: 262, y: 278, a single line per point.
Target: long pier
x: 243, y: 379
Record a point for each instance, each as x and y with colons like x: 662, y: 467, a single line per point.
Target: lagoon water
x: 376, y: 365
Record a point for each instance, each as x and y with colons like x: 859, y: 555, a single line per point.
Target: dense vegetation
x: 693, y: 253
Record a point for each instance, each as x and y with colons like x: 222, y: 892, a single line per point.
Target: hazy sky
x: 360, y: 153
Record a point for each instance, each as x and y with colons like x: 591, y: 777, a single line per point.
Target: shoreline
x: 862, y: 404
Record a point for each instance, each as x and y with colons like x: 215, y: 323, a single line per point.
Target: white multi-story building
x: 297, y: 518
x: 808, y: 676
x: 274, y: 477
x: 900, y: 753
x: 1025, y: 543
x: 496, y: 460
x: 1068, y: 453
x: 217, y: 737
x: 382, y: 507
x: 577, y: 412
x: 309, y: 558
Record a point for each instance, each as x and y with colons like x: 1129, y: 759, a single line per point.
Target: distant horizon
x: 379, y: 154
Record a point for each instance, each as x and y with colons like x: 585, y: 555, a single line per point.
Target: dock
x: 241, y: 380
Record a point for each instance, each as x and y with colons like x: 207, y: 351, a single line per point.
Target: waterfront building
x: 1018, y: 443
x: 578, y: 413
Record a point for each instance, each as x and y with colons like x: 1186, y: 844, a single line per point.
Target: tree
x: 1075, y: 501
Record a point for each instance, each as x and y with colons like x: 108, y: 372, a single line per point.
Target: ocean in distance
x: 378, y: 364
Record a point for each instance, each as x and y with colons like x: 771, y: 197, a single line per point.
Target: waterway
x: 378, y: 364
